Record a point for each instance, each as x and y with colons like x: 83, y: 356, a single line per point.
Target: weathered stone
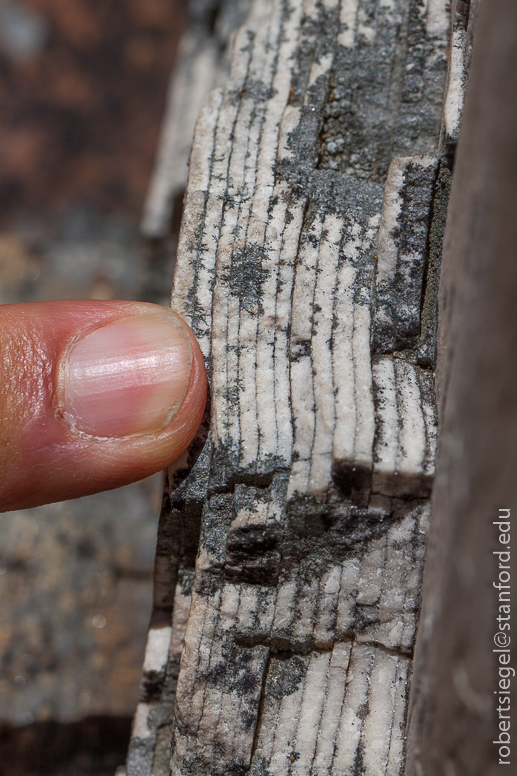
x: 312, y: 222
x: 76, y: 591
x: 202, y: 64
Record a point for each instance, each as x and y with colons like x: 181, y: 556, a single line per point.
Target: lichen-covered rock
x: 307, y: 266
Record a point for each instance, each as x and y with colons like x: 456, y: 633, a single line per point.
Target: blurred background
x: 83, y: 87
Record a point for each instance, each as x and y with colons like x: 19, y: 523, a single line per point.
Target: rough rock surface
x: 76, y: 591
x: 202, y: 64
x: 292, y: 536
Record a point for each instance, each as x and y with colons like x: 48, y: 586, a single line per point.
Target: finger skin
x: 42, y: 458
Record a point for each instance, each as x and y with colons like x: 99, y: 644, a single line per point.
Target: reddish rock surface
x: 82, y: 92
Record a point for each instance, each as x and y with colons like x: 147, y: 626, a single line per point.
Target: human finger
x: 93, y: 395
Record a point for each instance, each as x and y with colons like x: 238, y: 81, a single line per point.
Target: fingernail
x: 128, y: 377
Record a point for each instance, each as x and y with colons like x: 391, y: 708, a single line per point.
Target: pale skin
x: 93, y: 395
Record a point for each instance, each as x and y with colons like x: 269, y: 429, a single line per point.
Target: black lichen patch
x: 258, y: 91
x: 322, y: 534
x: 358, y: 527
x: 359, y: 118
x: 217, y: 516
x: 246, y: 276
x: 185, y: 580
x: 209, y: 583
x: 317, y: 40
x: 426, y: 356
x: 386, y: 94
x: 221, y: 765
x: 226, y: 473
x: 399, y: 301
x: 332, y: 192
x: 251, y: 555
x: 249, y: 540
x: 352, y: 477
x: 359, y: 767
x: 259, y: 767
x: 365, y: 617
x: 285, y: 674
x: 239, y: 671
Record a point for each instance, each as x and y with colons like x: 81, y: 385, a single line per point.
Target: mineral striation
x: 292, y: 536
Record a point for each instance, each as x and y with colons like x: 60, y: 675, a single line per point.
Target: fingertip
x: 116, y: 392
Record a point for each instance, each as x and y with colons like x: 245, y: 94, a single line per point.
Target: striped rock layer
x: 292, y: 536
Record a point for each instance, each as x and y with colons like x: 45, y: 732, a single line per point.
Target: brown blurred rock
x: 76, y: 590
x: 94, y: 747
x: 82, y: 91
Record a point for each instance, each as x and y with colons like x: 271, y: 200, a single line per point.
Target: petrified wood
x: 291, y: 540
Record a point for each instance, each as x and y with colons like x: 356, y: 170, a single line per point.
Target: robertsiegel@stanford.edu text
x: 502, y: 640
